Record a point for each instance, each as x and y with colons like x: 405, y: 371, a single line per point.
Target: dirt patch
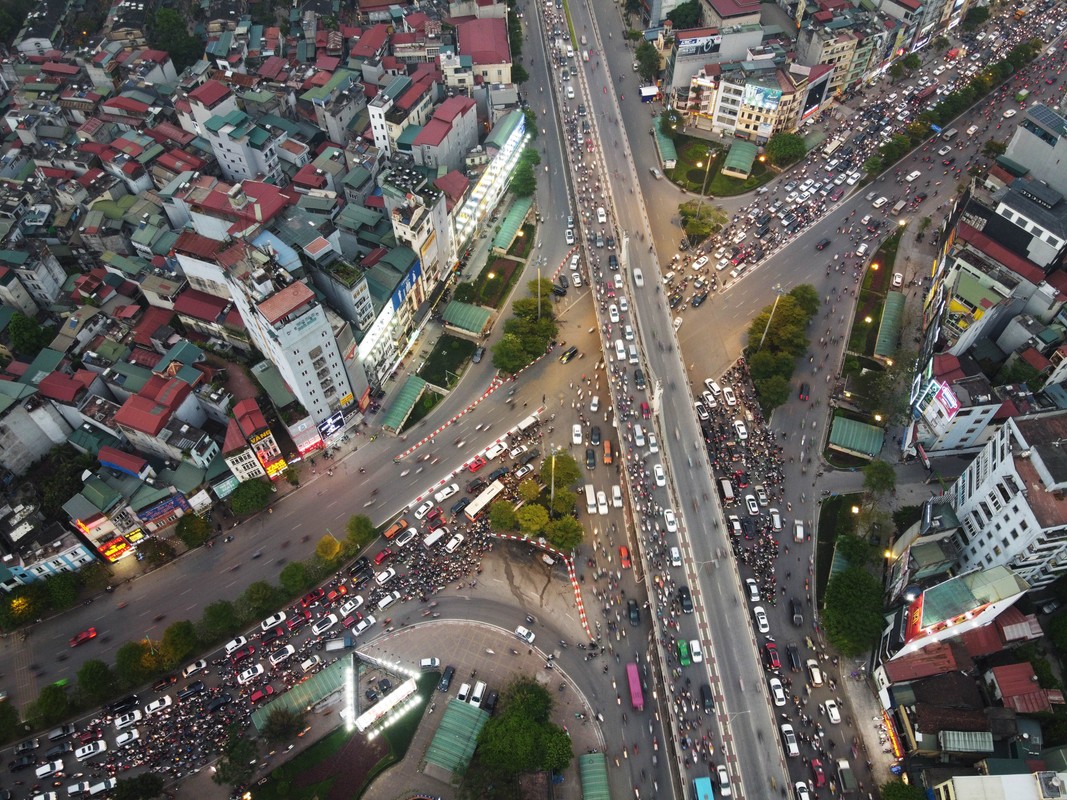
x: 348, y: 769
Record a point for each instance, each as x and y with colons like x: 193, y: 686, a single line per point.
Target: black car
x: 58, y: 751
x: 639, y: 378
x: 27, y: 746
x: 446, y: 679
x: 476, y: 485
x: 613, y: 263
x: 21, y: 763
x: 385, y: 685
x: 698, y: 299
x: 123, y: 705
x: 490, y: 700
x: 528, y: 457
x: 477, y: 357
x: 797, y: 610
x: 164, y: 682
x: 793, y: 654
x: 371, y: 695
x: 594, y: 435
x: 498, y: 473
x: 568, y: 354
x: 805, y: 390
x: 564, y: 281
x: 590, y: 458
x: 822, y: 245
x: 358, y: 581
x: 706, y: 699
x: 219, y: 703
x: 685, y: 599
x: 459, y: 505
x: 192, y: 690
x: 362, y: 564
x: 634, y: 613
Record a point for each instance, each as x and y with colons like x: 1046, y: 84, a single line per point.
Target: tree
x: 975, y: 17
x: 561, y: 470
x: 328, y: 550
x: 236, y: 765
x: 532, y: 518
x: 361, y: 532
x: 773, y: 392
x: 685, y: 16
x: 565, y: 533
x: 295, y: 578
x: 282, y: 724
x: 250, y: 497
x: 912, y: 61
x: 1057, y: 632
x: 519, y: 74
x: 219, y: 621
x: 807, y: 298
x: 992, y: 148
x: 785, y: 148
x: 853, y: 611
x: 258, y: 600
x: 557, y: 751
x: 63, y: 589
x: 10, y: 726
x: 193, y: 530
x: 51, y: 706
x: 898, y: 790
x: 563, y: 501
x: 136, y: 662
x: 28, y: 338
x: 509, y: 354
x: 874, y: 165
x: 157, y: 552
x: 502, y: 516
x: 647, y: 57
x: 142, y: 787
x: 528, y: 490
x: 524, y: 176
x: 700, y: 219
x: 179, y: 641
x: 169, y: 33
x: 879, y: 477
x: 896, y: 71
x: 855, y: 550
x: 96, y: 682
x: 940, y: 44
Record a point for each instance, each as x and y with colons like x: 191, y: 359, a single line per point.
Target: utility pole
x: 778, y: 296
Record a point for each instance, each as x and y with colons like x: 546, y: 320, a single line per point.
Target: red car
x: 237, y: 656
x: 312, y: 597
x: 384, y: 555
x: 435, y: 523
x: 83, y: 637
x: 335, y: 595
x: 261, y: 694
x: 818, y: 773
x: 476, y: 464
x: 646, y: 412
x: 297, y: 621
x: 624, y: 557
x: 770, y: 652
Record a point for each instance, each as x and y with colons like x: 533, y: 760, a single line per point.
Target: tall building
x: 245, y: 150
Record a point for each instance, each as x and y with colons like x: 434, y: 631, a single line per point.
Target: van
x: 62, y: 732
x: 655, y: 173
x: 726, y: 489
x: 464, y: 692
x: 395, y: 528
x: 900, y: 206
x: 607, y: 451
x: 950, y: 134
x: 601, y: 215
x: 434, y: 537
x: 105, y: 785
x: 477, y: 694
x: 706, y: 699
x: 633, y: 354
x: 861, y: 251
x: 639, y: 436
x: 616, y: 496
x: 429, y: 663
x: 798, y: 531
x: 620, y: 350
x: 388, y: 600
x: 590, y: 499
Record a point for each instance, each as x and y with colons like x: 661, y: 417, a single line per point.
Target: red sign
x: 915, y: 619
x: 115, y: 549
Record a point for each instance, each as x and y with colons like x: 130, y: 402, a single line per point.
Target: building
x: 245, y: 150
x: 250, y: 449
x: 957, y: 410
x: 486, y: 42
x: 451, y: 133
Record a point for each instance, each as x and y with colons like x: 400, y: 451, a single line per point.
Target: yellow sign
x: 259, y: 437
x: 347, y: 399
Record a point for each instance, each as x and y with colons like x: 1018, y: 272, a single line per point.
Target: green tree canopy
x: 219, y: 621
x: 236, y: 766
x: 10, y: 726
x: 361, y: 532
x: 685, y: 16
x: 51, y: 706
x: 28, y: 338
x: 853, y: 611
x: 193, y: 530
x: 283, y: 724
x: 521, y: 739
x: 96, y: 682
x: 295, y: 578
x: 563, y: 501
x: 975, y: 17
x: 524, y: 176
x: 701, y: 219
x: 170, y: 33
x: 258, y: 600
x: 157, y: 552
x: 250, y: 497
x: 898, y: 790
x: 565, y: 533
x: 561, y: 469
x: 136, y: 662
x: 328, y: 550
x: 141, y: 787
x: 879, y: 477
x: 647, y: 58
x: 502, y: 516
x: 784, y: 149
x: 63, y: 589
x: 179, y: 641
x: 528, y: 490
x: 532, y: 518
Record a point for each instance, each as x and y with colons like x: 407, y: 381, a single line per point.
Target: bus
x: 482, y: 501
x: 1020, y: 97
x: 637, y: 697
x: 649, y: 93
x: 832, y: 147
x: 702, y: 789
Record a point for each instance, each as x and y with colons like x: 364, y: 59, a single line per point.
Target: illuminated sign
x: 134, y: 536
x: 275, y: 468
x: 701, y: 45
x: 406, y: 285
x: 259, y: 437
x: 761, y: 97
x: 948, y: 401
x: 115, y: 549
x: 915, y: 619
x: 332, y: 424
x: 165, y: 508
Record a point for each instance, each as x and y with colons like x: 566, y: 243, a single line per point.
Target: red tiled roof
x: 200, y: 305
x: 209, y: 93
x: 55, y: 68
x: 144, y: 358
x: 485, y: 41
x: 1034, y: 358
x: 193, y: 244
x: 1016, y: 263
x: 432, y: 133
x: 947, y: 368
x: 368, y: 45
x: 453, y: 184
x: 1019, y: 688
x: 154, y: 318
x: 249, y: 417
x: 235, y: 440
x: 126, y: 104
x: 143, y: 415
x: 60, y: 387
x: 272, y: 67
x: 128, y: 461
x: 285, y: 301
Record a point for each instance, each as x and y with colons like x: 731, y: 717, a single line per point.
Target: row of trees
x: 784, y: 339
x: 551, y: 517
x: 140, y: 661
x: 529, y: 329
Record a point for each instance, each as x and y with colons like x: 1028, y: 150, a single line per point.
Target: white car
x: 613, y: 313
x: 195, y: 667
x: 653, y: 444
x: 576, y: 434
x: 250, y: 674
x: 283, y: 655
x: 702, y: 413
x: 363, y: 624
x: 624, y: 305
x: 382, y: 578
x: 424, y: 509
x: 350, y: 605
x: 127, y: 719
x: 158, y: 705
x: 898, y: 280
x: 522, y: 472
x: 602, y: 503
x: 833, y: 713
x: 235, y: 644
x: 661, y: 476
x: 815, y: 673
x: 723, y: 776
x: 729, y: 396
x: 700, y: 262
x: 1011, y: 112
x: 777, y: 692
x: 639, y: 278
x: 944, y: 151
x: 753, y: 506
x: 494, y: 450
x: 742, y: 431
x: 525, y: 634
x: 695, y: 652
x: 272, y: 621
x: 454, y: 543
x: 670, y: 521
x: 127, y: 738
x: 628, y: 333
x: 446, y: 492
x: 49, y: 769
x: 324, y: 624
x: 762, y: 623
x: 801, y: 791
x: 753, y: 590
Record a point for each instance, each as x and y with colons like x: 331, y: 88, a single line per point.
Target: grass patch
x: 495, y: 280
x: 279, y: 785
x: 835, y: 519
x: 422, y: 408
x: 689, y: 176
x: 443, y: 364
x: 876, y: 282
x: 523, y: 243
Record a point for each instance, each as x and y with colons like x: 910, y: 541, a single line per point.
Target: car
x: 522, y: 472
x: 898, y: 280
x: 683, y: 653
x: 576, y: 434
x: 297, y: 619
x: 624, y: 557
x: 822, y: 244
x: 21, y: 763
x: 127, y: 738
x: 570, y: 353
x: 594, y: 436
x: 814, y: 672
x: 476, y: 485
x: 646, y: 410
x: 633, y: 611
x: 274, y: 634
x: 192, y: 690
x: 761, y: 495
x: 50, y: 769
x: 525, y: 634
x: 639, y: 278
x: 833, y: 713
x: 700, y: 263
x: 729, y: 396
x: 818, y: 774
x: 156, y: 706
x: 777, y: 692
x: 478, y: 354
x: 696, y: 651
x: 272, y: 621
x: 83, y: 637
x: 475, y: 464
x: 702, y: 413
x: 789, y: 739
x: 350, y: 605
x: 250, y: 674
x: 752, y: 505
x: 602, y: 503
x: 660, y: 475
x: 613, y: 313
x: 653, y: 444
x: 446, y: 492
x: 235, y: 644
x: 670, y: 520
x: 794, y: 657
x: 283, y: 655
x: 383, y: 555
x: 770, y: 655
x: 762, y: 622
x: 58, y: 750
x: 424, y: 509
x: 776, y: 518
x: 800, y: 789
x: 382, y: 578
x: 881, y: 201
x: 194, y: 668
x: 453, y: 544
x: 1011, y: 112
x: 742, y: 431
x: 363, y: 624
x: 805, y: 391
x: 722, y: 775
x: 259, y: 695
x: 126, y: 720
x: 685, y: 599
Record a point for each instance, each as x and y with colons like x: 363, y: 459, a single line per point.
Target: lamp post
x: 707, y: 168
x: 778, y: 292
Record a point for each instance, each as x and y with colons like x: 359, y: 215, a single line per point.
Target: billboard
x: 761, y: 97
x: 700, y: 45
x: 947, y: 399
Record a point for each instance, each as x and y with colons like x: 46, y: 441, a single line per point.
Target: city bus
x: 633, y: 677
x: 832, y: 147
x: 482, y: 501
x: 702, y: 789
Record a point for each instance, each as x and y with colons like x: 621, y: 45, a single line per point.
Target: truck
x: 341, y: 642
x: 900, y: 206
x: 845, y: 776
x: 923, y: 94
x: 1020, y: 96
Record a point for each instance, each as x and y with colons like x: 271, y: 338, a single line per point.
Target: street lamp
x: 779, y: 291
x: 709, y: 157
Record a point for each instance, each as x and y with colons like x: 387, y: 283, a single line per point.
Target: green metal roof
x: 503, y: 129
x: 665, y: 144
x: 740, y: 157
x: 593, y: 773
x: 976, y: 294
x: 509, y: 228
x: 889, y: 328
x: 90, y: 439
x: 467, y: 317
x: 273, y: 384
x: 453, y: 745
x: 856, y: 437
x: 402, y: 406
x: 306, y: 694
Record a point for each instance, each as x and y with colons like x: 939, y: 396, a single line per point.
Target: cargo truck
x: 845, y: 776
